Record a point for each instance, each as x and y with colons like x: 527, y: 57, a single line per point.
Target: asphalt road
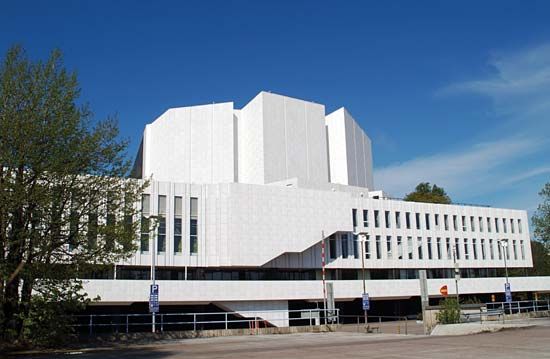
x: 525, y: 343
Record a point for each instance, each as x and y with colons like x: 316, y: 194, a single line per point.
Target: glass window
x: 483, y: 256
x: 448, y: 247
x: 436, y: 220
x: 512, y: 228
x: 378, y: 248
x: 466, y: 252
x: 161, y: 231
x: 520, y: 230
x: 387, y: 218
x: 178, y: 212
x: 514, y: 247
x: 427, y: 217
x: 365, y: 218
x: 499, y: 246
x: 367, y: 247
x: 455, y: 224
x: 496, y: 225
x: 504, y: 226
x: 345, y: 248
x: 430, y: 254
x: 145, y: 212
x: 438, y: 244
x: 400, y: 247
x: 491, y: 249
x: 193, y: 226
x: 457, y: 248
x: 332, y: 248
x: 463, y: 223
x: 480, y: 224
x: 446, y: 222
x: 355, y: 247
x: 410, y: 247
x: 417, y: 218
x: 354, y: 217
x: 472, y: 224
x: 419, y: 246
x: 488, y: 224
x: 389, y: 247
x: 376, y: 219
x: 474, y: 247
x: 408, y: 219
x: 522, y: 247
x: 397, y: 219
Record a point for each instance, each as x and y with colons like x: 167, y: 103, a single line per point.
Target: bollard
x: 91, y: 323
x: 162, y: 323
x: 225, y: 321
x: 126, y: 324
x: 194, y: 322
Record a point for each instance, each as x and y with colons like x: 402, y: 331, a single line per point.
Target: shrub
x: 449, y: 312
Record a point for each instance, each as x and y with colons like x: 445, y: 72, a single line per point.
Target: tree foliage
x: 449, y: 312
x: 541, y: 219
x: 425, y: 192
x: 64, y: 202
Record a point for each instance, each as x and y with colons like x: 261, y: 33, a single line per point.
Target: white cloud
x: 474, y: 170
x: 519, y: 87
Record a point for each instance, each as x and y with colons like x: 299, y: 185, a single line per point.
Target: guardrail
x: 252, y: 320
x: 521, y: 306
x: 379, y: 323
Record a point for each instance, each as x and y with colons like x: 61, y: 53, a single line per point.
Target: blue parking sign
x: 366, y: 301
x: 154, y: 298
x: 508, y: 292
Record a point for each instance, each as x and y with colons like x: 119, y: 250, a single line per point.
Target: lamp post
x: 362, y: 238
x: 504, y: 244
x: 153, y: 262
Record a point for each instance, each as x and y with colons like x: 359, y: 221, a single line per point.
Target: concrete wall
x: 350, y: 153
x: 191, y: 144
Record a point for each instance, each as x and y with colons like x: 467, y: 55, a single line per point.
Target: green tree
x: 541, y: 218
x: 425, y: 192
x: 65, y: 204
x: 449, y: 312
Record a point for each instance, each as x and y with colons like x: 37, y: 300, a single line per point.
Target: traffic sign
x: 154, y: 298
x: 508, y: 292
x: 366, y: 301
x: 444, y: 291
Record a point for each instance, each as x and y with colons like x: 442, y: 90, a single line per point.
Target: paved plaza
x: 533, y: 342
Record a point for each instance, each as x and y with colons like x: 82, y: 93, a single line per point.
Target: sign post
x: 154, y: 302
x: 508, y: 292
x: 366, y: 302
x: 444, y: 291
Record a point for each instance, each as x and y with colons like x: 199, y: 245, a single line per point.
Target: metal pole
x: 323, y: 261
x: 153, y: 270
x: 363, y: 242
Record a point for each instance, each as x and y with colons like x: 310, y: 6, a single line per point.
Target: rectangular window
x: 408, y: 219
x: 496, y: 225
x: 367, y: 247
x: 522, y: 248
x: 161, y: 231
x: 344, y: 243
x: 419, y: 246
x: 145, y: 211
x: 438, y: 244
x: 387, y: 218
x: 389, y: 247
x: 355, y: 247
x: 466, y: 251
x: 427, y: 218
x: 354, y: 217
x: 480, y: 224
x: 455, y: 223
x: 376, y: 219
x: 365, y: 218
x: 410, y: 247
x: 448, y: 248
x: 512, y: 227
x: 193, y: 226
x: 488, y: 224
x: 446, y: 222
x: 430, y: 252
x: 332, y: 248
x: 499, y: 250
x: 514, y: 247
x: 436, y: 220
x: 400, y: 247
x: 417, y: 218
x: 378, y: 248
x: 491, y: 249
x: 507, y: 250
x: 178, y: 212
x: 504, y: 226
x: 463, y: 223
x: 93, y: 227
x: 397, y: 219
x: 472, y: 224
x: 457, y: 249
x: 520, y: 230
x: 474, y: 247
x: 483, y: 255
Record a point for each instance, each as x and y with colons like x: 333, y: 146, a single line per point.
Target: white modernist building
x: 247, y: 196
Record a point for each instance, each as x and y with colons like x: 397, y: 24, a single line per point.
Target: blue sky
x: 456, y: 93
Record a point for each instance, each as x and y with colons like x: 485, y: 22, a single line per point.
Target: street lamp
x: 153, y: 261
x: 504, y: 244
x: 362, y: 238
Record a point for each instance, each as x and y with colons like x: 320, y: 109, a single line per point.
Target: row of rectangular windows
x: 161, y: 222
x: 467, y: 251
x: 437, y: 223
